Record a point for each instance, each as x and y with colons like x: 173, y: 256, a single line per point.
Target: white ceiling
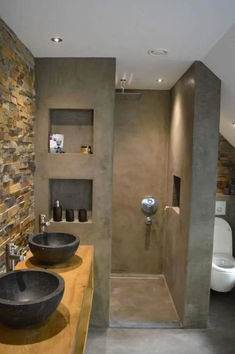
x: 190, y: 30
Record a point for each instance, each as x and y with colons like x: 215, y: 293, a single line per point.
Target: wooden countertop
x: 64, y: 332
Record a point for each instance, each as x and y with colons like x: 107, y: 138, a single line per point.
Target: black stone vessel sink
x: 53, y: 248
x: 29, y: 296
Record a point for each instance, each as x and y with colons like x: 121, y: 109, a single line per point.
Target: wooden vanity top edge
x: 58, y: 333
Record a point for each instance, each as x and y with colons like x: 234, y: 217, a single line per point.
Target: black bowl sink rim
x: 31, y: 240
x: 54, y: 293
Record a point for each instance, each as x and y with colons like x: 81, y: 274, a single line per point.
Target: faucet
x: 12, y: 256
x: 43, y: 223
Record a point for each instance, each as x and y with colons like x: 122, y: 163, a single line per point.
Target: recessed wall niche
x: 73, y: 194
x: 176, y: 191
x: 76, y: 125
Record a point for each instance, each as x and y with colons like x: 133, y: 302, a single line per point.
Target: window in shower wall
x: 176, y: 191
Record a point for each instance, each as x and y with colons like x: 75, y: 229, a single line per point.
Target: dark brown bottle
x: 69, y: 215
x: 57, y: 211
x: 82, y: 215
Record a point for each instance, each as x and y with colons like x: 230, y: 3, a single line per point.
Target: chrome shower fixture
x: 123, y: 84
x: 149, y: 207
x: 127, y: 95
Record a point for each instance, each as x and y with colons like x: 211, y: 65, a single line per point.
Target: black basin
x: 29, y: 296
x: 53, y: 248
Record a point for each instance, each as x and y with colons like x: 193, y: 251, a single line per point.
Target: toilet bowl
x: 223, y: 263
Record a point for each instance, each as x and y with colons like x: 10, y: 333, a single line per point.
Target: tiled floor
x: 219, y: 338
x: 222, y: 311
x: 138, y: 302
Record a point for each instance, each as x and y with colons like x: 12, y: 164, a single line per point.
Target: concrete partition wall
x: 193, y: 146
x: 80, y: 83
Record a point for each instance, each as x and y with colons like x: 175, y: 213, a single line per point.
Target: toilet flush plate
x: 220, y: 207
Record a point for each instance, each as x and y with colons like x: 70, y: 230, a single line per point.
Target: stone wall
x: 226, y: 164
x: 16, y: 141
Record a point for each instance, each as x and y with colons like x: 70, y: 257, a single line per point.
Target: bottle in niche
x: 82, y: 215
x: 69, y: 215
x: 57, y: 211
x: 86, y: 149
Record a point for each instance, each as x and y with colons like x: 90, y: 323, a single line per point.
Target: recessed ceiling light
x: 233, y: 124
x: 56, y: 39
x: 156, y: 52
x: 159, y: 79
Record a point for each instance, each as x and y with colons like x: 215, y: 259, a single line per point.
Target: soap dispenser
x: 57, y: 211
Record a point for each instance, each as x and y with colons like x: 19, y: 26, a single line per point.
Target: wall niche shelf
x: 73, y: 194
x: 76, y: 221
x: 76, y: 125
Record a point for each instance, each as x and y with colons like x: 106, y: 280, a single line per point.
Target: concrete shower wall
x: 80, y: 83
x: 193, y: 150
x: 140, y: 169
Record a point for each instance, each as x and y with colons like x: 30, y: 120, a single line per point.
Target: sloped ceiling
x: 221, y: 60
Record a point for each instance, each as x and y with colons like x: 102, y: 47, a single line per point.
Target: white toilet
x: 223, y: 263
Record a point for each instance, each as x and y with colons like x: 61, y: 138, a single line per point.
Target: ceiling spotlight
x: 159, y: 79
x: 156, y: 52
x: 233, y: 124
x: 56, y: 39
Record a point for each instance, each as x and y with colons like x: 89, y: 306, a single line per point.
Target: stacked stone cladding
x: 17, y: 107
x: 226, y: 164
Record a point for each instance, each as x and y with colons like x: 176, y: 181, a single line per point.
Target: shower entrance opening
x: 139, y: 293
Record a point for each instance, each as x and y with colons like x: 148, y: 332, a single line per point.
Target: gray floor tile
x: 219, y: 338
x: 160, y: 341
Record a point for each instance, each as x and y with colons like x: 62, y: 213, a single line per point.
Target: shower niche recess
x: 176, y: 191
x: 71, y: 130
x: 73, y: 194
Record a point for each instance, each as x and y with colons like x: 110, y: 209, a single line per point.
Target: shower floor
x: 141, y: 302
